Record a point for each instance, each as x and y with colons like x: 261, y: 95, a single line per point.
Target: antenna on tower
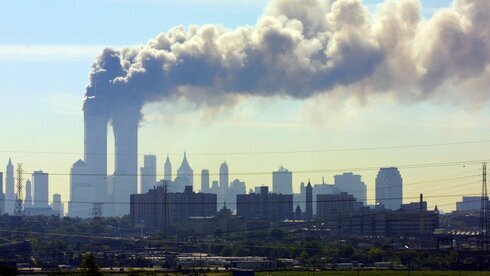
x: 19, y: 199
x: 484, y: 210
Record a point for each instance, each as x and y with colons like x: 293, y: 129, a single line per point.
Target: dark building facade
x: 157, y: 208
x: 265, y: 206
x: 344, y: 216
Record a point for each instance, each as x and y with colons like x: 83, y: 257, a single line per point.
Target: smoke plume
x: 301, y: 48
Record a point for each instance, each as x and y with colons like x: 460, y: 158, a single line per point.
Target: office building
x: 331, y: 207
x: 351, y: 183
x: 469, y: 203
x: 282, y: 181
x: 215, y: 187
x: 2, y: 196
x: 148, y: 173
x: 28, y: 197
x: 389, y: 188
x: 58, y: 206
x: 309, y: 202
x: 10, y: 189
x: 237, y: 187
x: 81, y: 191
x: 40, y: 182
x: 265, y: 206
x: 223, y: 178
x: 205, y: 181
x: 185, y: 176
x: 167, y: 170
x: 158, y: 208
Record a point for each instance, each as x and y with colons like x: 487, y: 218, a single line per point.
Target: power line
x: 175, y: 242
x: 270, y: 202
x: 270, y: 152
x: 327, y: 170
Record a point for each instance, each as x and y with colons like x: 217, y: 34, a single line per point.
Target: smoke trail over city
x: 301, y: 48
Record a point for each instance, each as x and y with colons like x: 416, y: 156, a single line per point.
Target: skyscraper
x: 81, y: 191
x: 40, y: 182
x: 282, y: 181
x: 185, y: 176
x: 2, y: 196
x: 389, y: 188
x: 168, y: 170
x: 148, y: 173
x: 223, y: 178
x: 57, y: 206
x: 28, y: 197
x: 96, y: 120
x: 309, y: 202
x: 205, y: 181
x: 10, y: 189
x: 351, y: 183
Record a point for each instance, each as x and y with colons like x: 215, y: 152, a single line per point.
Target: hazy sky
x: 47, y: 48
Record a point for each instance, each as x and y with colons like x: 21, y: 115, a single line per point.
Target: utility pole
x: 19, y: 199
x: 484, y: 210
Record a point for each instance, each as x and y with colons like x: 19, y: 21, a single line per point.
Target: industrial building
x: 159, y: 208
x: 265, y: 205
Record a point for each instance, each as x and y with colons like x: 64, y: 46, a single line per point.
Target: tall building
x: 351, y: 183
x: 205, y: 181
x: 389, y: 188
x: 96, y: 119
x: 148, y: 173
x: 57, y: 205
x: 167, y: 170
x: 309, y: 202
x: 81, y: 191
x: 2, y: 196
x: 185, y: 176
x: 237, y: 187
x: 40, y: 181
x: 28, y: 197
x: 215, y: 187
x: 282, y: 181
x: 223, y: 178
x: 10, y: 189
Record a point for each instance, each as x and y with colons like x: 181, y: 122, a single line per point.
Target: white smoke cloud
x: 302, y: 48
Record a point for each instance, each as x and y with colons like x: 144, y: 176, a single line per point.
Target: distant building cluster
x: 35, y: 195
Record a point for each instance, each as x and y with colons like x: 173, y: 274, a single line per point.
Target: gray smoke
x: 300, y: 48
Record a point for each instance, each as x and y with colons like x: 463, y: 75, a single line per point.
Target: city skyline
x: 308, y: 136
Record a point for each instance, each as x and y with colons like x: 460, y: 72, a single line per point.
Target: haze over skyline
x: 42, y: 112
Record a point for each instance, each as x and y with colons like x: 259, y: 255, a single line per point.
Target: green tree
x: 88, y: 262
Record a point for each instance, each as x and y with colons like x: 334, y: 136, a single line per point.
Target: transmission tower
x: 19, y: 197
x: 483, y: 245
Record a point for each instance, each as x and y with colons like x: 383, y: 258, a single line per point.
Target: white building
x: 282, y: 181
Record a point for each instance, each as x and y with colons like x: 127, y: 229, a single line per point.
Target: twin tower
x: 91, y: 174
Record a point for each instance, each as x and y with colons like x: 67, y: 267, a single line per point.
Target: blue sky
x: 48, y: 46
